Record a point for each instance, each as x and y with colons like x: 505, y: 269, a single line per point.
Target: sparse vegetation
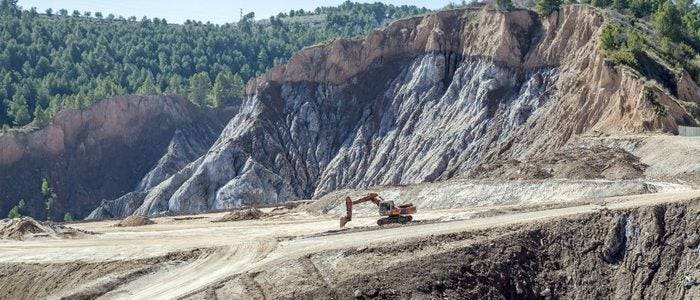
x: 611, y: 38
x: 17, y: 211
x: 546, y: 7
x: 625, y: 46
x: 504, y: 5
x: 677, y: 32
x: 621, y: 46
x: 49, y: 197
x: 601, y: 3
x: 651, y: 96
x: 68, y: 217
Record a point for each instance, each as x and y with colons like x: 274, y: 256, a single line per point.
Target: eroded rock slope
x: 427, y: 98
x: 103, y: 152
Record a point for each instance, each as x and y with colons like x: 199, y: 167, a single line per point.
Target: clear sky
x: 216, y: 11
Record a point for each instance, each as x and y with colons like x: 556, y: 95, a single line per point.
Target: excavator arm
x: 374, y: 197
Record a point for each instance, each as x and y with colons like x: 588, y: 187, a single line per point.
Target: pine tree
x: 41, y: 117
x: 148, y: 87
x: 610, y: 38
x: 19, y: 110
x: 504, y: 5
x: 67, y: 217
x: 176, y: 86
x: 8, y: 6
x: 546, y: 7
x: 49, y: 197
x: 635, y: 43
x: 620, y: 4
x: 601, y: 3
x: 199, y: 88
x: 17, y: 211
x: 668, y: 22
x: 228, y: 88
x: 106, y: 87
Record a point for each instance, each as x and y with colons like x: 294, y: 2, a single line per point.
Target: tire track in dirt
x: 234, y: 249
x: 174, y: 282
x: 298, y: 248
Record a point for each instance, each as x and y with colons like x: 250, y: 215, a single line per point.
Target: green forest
x: 55, y: 59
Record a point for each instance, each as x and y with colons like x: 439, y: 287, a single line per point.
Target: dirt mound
x: 240, y: 215
x: 25, y: 228
x: 595, y: 162
x: 132, y: 221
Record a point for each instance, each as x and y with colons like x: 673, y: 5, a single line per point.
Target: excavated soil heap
x: 132, y: 221
x: 596, y: 162
x: 23, y: 228
x: 240, y: 215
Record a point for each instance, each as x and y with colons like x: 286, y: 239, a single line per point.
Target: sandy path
x: 250, y: 245
x: 170, y: 283
x: 296, y: 248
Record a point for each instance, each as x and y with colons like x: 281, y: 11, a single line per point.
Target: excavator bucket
x: 348, y: 212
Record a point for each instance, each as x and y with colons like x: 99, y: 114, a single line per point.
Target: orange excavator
x: 392, y: 213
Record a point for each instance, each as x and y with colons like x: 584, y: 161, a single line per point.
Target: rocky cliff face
x: 103, y: 152
x: 427, y: 98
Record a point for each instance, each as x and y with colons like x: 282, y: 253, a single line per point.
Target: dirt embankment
x: 575, y: 162
x: 133, y: 221
x: 28, y: 228
x: 67, y: 280
x: 241, y: 215
x: 649, y: 253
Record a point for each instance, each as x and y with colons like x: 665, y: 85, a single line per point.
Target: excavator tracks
x: 394, y: 220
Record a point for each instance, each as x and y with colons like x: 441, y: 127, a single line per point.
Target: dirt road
x: 251, y: 245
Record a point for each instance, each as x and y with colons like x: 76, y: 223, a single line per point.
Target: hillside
x: 426, y: 99
x: 103, y: 152
x: 58, y: 59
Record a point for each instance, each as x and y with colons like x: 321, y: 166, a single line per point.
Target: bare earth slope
x: 103, y: 152
x: 427, y: 98
x: 641, y: 253
x: 638, y: 246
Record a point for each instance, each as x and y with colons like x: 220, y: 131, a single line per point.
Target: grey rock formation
x: 425, y: 99
x: 117, y: 208
x: 186, y: 146
x: 156, y: 200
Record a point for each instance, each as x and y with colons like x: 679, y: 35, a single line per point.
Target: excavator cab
x: 385, y: 207
x: 391, y: 213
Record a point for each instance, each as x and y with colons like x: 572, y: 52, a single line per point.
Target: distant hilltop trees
x: 58, y: 59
